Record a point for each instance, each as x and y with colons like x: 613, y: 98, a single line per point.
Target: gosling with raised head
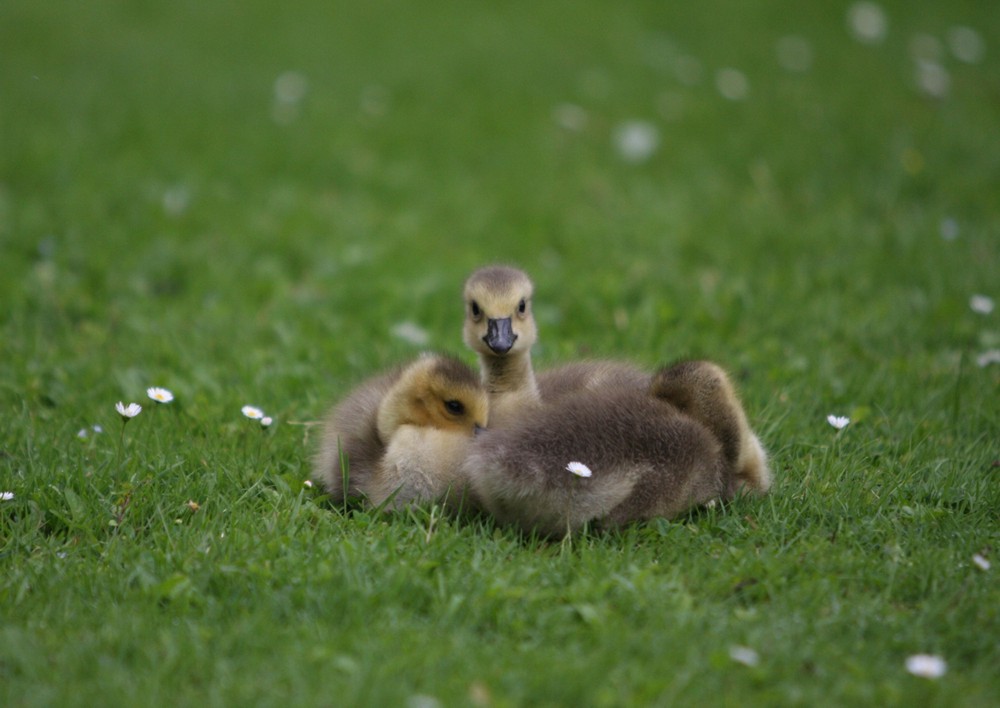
x: 500, y: 328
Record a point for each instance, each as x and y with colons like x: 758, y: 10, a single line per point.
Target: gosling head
x: 498, y: 320
x: 438, y: 392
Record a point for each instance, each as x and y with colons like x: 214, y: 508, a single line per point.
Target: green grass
x: 163, y: 223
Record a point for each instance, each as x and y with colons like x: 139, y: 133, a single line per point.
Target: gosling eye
x: 474, y: 306
x: 454, y: 407
x: 522, y: 306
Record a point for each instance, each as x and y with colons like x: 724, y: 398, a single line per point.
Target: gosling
x: 399, y: 437
x: 703, y: 391
x: 500, y: 328
x: 603, y: 458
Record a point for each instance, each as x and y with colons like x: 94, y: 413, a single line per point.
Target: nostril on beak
x: 500, y: 335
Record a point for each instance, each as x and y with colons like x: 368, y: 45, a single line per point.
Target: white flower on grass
x: 579, y: 469
x: 949, y: 229
x: 290, y: 87
x: 838, y: 421
x: 82, y: 433
x: 419, y: 700
x: 932, y: 79
x: 308, y: 484
x: 570, y: 116
x: 926, y: 666
x: 794, y: 53
x: 744, y: 655
x: 6, y: 496
x: 732, y: 84
x: 991, y: 356
x: 252, y: 412
x: 160, y: 395
x: 981, y: 562
x: 981, y: 304
x: 966, y: 44
x: 867, y: 22
x: 411, y: 332
x: 176, y: 200
x: 289, y: 90
x: 266, y: 421
x: 128, y: 412
x: 636, y: 140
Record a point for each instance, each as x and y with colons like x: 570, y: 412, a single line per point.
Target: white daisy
x: 838, y: 421
x: 82, y: 433
x: 926, y: 666
x: 867, y: 22
x: 160, y: 395
x: 966, y: 44
x: 579, y: 469
x: 290, y: 87
x: 981, y: 304
x: 794, y: 53
x: 6, y: 496
x: 252, y: 412
x: 949, y: 229
x: 569, y: 116
x: 266, y: 421
x: 411, y: 332
x: 732, y: 84
x: 128, y: 412
x: 981, y: 562
x: 744, y: 655
x: 991, y: 356
x: 636, y: 140
x: 307, y: 483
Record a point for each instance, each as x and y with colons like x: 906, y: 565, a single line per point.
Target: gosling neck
x: 508, y: 374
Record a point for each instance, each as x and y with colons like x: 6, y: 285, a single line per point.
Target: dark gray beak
x: 499, y: 335
x: 478, y: 429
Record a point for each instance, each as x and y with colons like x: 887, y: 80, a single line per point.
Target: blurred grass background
x: 243, y: 201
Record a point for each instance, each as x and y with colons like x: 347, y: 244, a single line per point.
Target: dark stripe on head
x: 456, y: 371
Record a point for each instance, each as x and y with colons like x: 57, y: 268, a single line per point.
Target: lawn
x: 264, y: 203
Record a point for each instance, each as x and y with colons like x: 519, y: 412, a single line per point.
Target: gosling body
x: 400, y: 437
x: 646, y: 459
x: 703, y: 391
